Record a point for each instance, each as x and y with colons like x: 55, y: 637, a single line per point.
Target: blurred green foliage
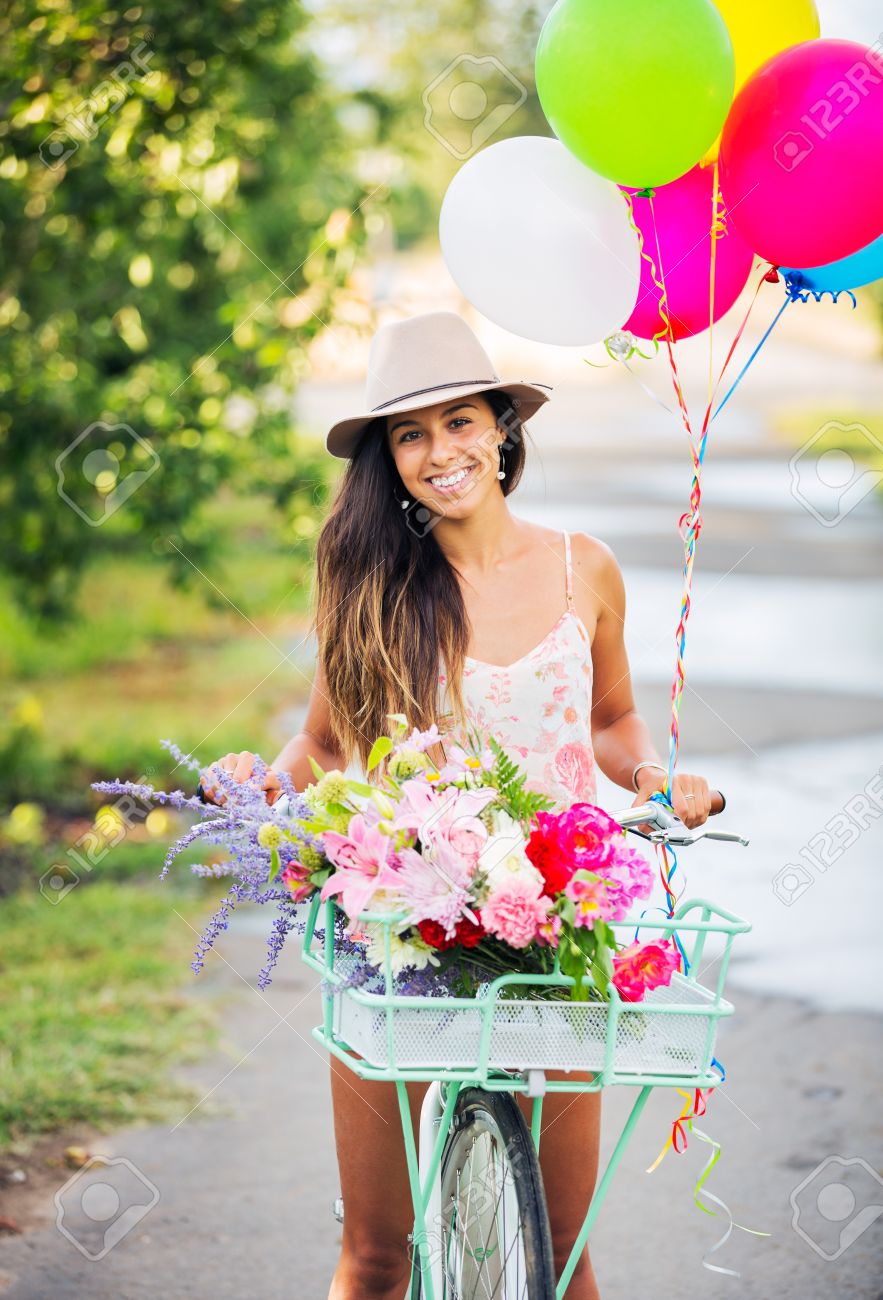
x: 435, y: 83
x: 178, y: 214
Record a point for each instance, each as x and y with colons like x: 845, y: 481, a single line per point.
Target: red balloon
x: 682, y: 226
x: 801, y: 153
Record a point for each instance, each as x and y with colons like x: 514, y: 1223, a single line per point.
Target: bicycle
x: 481, y: 1226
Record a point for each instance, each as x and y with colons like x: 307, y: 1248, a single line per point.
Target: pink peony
x: 583, y: 836
x: 644, y: 966
x: 515, y: 911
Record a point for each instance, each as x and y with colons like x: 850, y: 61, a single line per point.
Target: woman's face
x: 436, y: 444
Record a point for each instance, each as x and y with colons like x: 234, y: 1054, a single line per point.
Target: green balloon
x: 639, y: 90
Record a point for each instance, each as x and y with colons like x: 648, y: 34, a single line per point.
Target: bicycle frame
x: 439, y: 1103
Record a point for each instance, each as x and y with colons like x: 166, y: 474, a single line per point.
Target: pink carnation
x: 644, y: 966
x: 515, y: 911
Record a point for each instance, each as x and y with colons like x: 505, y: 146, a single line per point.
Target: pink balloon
x: 800, y: 158
x: 682, y: 211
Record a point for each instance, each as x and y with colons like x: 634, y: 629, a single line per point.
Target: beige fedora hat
x: 421, y: 361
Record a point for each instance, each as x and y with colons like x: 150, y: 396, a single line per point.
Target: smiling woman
x: 442, y: 437
x: 419, y: 561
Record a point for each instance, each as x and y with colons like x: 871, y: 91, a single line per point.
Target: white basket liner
x: 538, y: 1035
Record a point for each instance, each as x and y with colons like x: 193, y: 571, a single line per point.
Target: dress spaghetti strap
x: 568, y: 569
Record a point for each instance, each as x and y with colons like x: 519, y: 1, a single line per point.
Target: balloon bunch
x: 693, y: 136
x: 730, y: 126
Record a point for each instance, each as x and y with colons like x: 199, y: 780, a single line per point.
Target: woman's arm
x: 314, y: 739
x: 620, y: 737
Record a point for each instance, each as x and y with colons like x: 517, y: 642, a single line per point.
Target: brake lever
x: 680, y: 836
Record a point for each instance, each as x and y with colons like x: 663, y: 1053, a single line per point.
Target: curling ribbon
x: 700, y: 1190
x: 694, y: 1108
x: 690, y: 1109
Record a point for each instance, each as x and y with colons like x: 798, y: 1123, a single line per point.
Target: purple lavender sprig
x: 235, y: 826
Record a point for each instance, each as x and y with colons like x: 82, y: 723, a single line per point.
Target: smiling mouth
x: 450, y: 482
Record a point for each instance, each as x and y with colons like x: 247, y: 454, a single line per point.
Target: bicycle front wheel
x: 493, y: 1236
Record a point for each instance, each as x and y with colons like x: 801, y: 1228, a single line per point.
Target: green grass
x: 93, y: 1016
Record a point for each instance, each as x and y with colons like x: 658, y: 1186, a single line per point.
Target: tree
x: 178, y: 215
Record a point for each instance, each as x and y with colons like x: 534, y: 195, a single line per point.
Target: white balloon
x: 539, y: 243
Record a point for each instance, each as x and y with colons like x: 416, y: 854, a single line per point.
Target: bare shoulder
x: 598, y: 589
x: 595, y: 566
x: 594, y: 558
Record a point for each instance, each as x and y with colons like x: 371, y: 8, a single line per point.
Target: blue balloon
x: 846, y: 273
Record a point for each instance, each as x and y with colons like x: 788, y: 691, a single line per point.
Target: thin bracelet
x: 647, y: 763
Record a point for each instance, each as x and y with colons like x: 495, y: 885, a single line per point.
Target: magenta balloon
x: 801, y: 151
x: 682, y: 211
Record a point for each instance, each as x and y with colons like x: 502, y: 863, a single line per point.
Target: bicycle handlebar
x: 666, y: 828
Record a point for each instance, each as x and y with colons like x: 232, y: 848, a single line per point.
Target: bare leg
x: 569, y: 1139
x: 378, y: 1212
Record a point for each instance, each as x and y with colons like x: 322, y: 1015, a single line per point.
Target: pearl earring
x: 501, y: 473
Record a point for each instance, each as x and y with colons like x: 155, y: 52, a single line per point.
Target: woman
x: 419, y: 561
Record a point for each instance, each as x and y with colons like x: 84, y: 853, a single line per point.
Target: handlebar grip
x: 718, y: 802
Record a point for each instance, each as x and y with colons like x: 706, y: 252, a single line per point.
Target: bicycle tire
x: 513, y: 1258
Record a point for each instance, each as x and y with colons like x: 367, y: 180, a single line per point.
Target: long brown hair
x: 387, y: 601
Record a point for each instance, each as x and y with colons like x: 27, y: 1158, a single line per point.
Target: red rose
x: 467, y: 933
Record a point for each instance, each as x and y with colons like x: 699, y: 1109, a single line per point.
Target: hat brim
x: 344, y: 436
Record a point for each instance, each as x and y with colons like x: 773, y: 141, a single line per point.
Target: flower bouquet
x: 482, y: 876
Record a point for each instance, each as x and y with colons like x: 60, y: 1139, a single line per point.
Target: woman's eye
x: 457, y: 421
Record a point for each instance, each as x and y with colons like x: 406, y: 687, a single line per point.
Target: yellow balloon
x: 760, y: 30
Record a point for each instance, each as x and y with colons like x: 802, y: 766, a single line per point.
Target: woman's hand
x: 691, y: 795
x: 240, y: 767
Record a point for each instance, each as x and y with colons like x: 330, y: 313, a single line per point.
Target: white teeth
x: 451, y: 479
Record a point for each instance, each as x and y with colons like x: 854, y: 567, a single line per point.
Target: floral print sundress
x: 539, y: 707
